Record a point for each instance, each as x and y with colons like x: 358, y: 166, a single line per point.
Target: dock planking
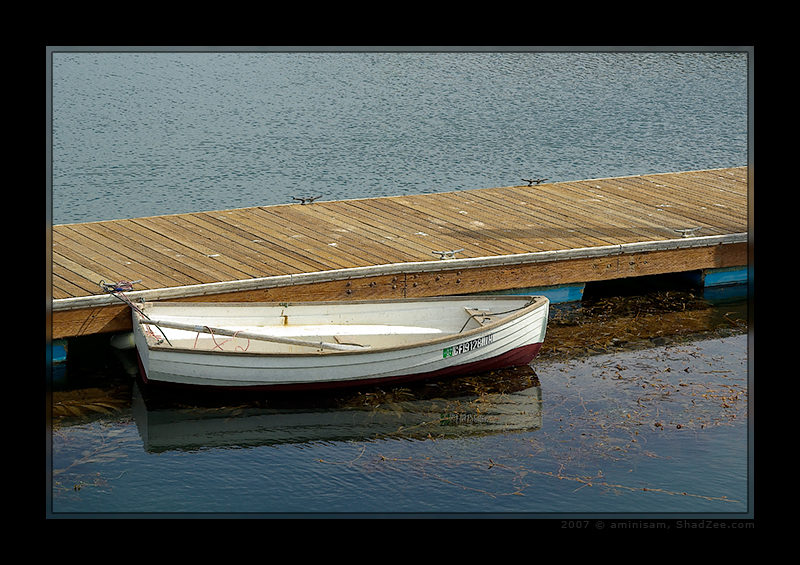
x: 384, y: 247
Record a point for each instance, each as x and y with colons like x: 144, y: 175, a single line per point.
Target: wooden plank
x: 419, y: 232
x: 136, y: 258
x: 607, y: 203
x: 311, y: 234
x: 721, y: 204
x: 366, y: 288
x: 558, y: 220
x: 480, y: 214
x: 72, y: 265
x: 239, y: 246
x: 373, y: 223
x: 415, y: 233
x: 597, y: 217
x: 86, y: 258
x: 329, y: 225
x: 282, y: 258
x: 606, y: 206
x: 306, y: 238
x: 226, y: 245
x: 164, y: 250
x: 465, y: 221
x: 63, y: 286
x: 197, y: 243
x: 669, y: 205
x: 90, y: 321
x: 271, y: 239
x: 688, y: 196
x: 293, y: 242
x: 488, y: 213
x: 732, y: 182
x: 460, y: 231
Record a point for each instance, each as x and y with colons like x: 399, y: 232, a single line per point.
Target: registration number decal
x: 467, y: 346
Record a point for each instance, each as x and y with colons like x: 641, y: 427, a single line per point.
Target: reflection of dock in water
x: 451, y: 414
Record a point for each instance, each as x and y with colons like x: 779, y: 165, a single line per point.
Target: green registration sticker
x: 467, y: 346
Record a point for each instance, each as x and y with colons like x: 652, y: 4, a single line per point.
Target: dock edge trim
x: 431, y: 266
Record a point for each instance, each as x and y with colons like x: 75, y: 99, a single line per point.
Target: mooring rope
x: 216, y: 345
x: 117, y: 290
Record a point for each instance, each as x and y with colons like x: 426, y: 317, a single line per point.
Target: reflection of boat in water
x: 312, y: 345
x: 404, y: 414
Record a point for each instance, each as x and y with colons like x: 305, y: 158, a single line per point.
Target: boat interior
x: 366, y: 326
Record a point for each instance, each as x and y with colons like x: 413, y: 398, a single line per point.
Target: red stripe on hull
x: 514, y: 358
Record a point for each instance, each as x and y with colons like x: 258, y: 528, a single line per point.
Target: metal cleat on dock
x: 307, y: 199
x: 687, y: 232
x: 447, y: 254
x: 532, y: 181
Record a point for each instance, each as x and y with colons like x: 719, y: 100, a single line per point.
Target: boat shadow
x: 508, y: 400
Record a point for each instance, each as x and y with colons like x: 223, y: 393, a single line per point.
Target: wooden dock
x: 510, y: 237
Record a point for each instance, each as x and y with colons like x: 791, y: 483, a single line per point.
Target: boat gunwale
x: 534, y: 303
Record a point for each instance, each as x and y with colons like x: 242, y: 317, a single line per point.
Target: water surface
x: 142, y: 134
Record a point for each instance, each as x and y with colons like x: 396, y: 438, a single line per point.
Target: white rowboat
x: 308, y: 345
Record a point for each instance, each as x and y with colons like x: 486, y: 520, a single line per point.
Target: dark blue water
x: 644, y: 432
x: 656, y: 430
x: 141, y: 134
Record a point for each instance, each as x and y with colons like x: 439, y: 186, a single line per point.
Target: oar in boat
x: 250, y: 335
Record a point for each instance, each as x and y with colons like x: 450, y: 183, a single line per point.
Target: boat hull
x: 502, y: 341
